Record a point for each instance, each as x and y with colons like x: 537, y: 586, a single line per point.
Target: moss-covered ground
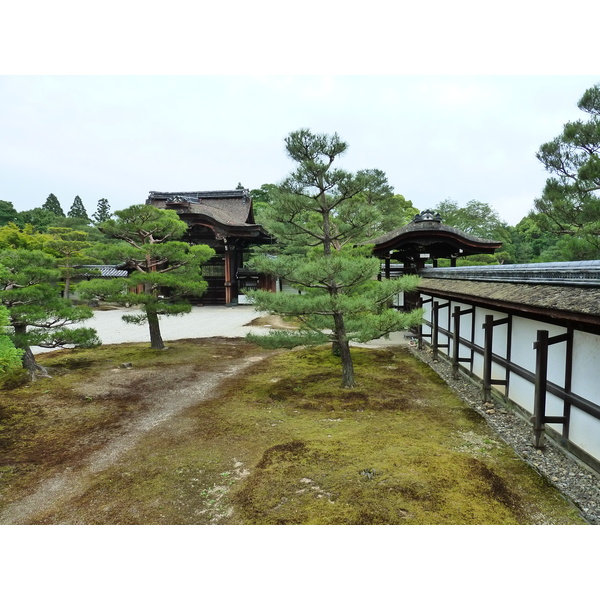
x: 283, y: 444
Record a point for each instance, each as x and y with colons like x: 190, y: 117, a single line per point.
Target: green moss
x: 282, y: 445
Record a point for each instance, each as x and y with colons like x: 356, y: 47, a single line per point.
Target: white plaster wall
x: 478, y: 365
x: 521, y: 392
x: 586, y: 366
x: 500, y: 331
x: 584, y: 429
x: 554, y: 408
x: 524, y: 334
x: 584, y: 432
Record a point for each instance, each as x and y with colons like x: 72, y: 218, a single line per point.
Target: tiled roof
x: 105, y: 271
x: 230, y: 207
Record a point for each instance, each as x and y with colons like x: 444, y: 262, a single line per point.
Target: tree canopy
x: 10, y: 356
x: 68, y: 246
x: 37, y: 313
x: 103, y: 212
x: 570, y: 202
x: 77, y: 210
x: 164, y: 272
x: 53, y: 205
x: 8, y: 213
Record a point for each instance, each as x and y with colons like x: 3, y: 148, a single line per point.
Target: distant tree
x: 68, y: 246
x: 103, y: 212
x: 40, y: 218
x: 570, y: 202
x: 164, y: 272
x: 476, y: 218
x: 53, y: 205
x: 77, y: 210
x: 393, y: 209
x: 529, y: 240
x: 318, y: 214
x: 38, y: 315
x: 480, y: 220
x: 8, y: 213
x: 569, y: 248
x: 261, y: 199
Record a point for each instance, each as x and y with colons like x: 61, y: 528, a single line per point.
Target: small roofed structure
x: 425, y: 239
x: 223, y: 220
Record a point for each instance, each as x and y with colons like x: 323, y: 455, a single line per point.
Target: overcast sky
x: 436, y: 137
x: 84, y: 129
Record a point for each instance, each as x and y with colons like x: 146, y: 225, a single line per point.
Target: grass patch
x: 284, y: 444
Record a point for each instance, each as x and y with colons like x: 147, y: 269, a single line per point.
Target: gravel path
x: 75, y: 480
x: 201, y: 322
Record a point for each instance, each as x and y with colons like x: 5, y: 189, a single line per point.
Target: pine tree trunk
x: 156, y: 340
x: 67, y: 290
x: 28, y: 359
x: 342, y: 346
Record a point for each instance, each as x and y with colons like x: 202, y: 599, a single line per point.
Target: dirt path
x: 74, y: 480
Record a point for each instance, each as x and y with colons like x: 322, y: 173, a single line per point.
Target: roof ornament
x: 427, y: 215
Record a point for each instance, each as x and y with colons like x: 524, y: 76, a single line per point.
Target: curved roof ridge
x: 428, y: 226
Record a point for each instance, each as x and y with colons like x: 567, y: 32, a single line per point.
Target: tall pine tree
x: 53, y: 205
x: 103, y: 212
x: 164, y: 272
x: 77, y: 210
x: 318, y: 214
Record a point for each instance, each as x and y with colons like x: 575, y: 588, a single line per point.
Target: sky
x: 436, y: 137
x: 451, y: 100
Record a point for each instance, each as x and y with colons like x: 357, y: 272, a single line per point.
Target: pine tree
x: 77, y: 210
x: 103, y: 212
x: 53, y: 205
x: 318, y: 215
x: 570, y: 203
x: 38, y: 315
x: 164, y: 272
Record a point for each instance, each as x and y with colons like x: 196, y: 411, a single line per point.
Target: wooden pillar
x: 541, y: 380
x: 456, y: 359
x: 488, y: 340
x: 434, y: 329
x: 455, y: 341
x: 227, y: 275
x: 488, y: 347
x: 541, y: 383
